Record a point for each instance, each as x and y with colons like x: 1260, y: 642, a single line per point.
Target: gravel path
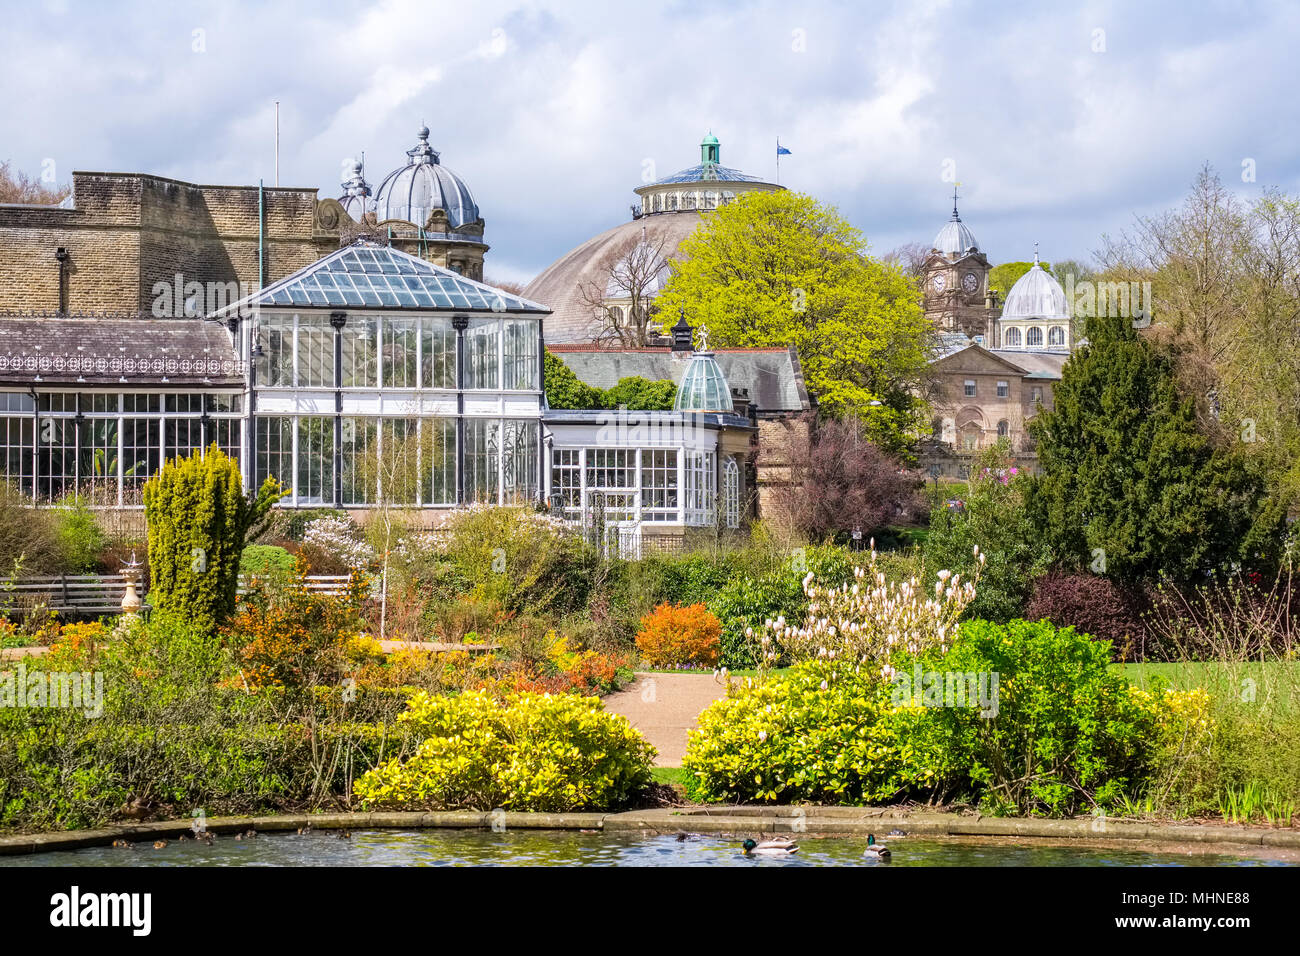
x: 664, y: 707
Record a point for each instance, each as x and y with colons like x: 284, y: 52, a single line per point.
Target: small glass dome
x: 411, y: 192
x: 704, y: 388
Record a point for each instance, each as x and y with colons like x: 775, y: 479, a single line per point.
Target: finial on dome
x: 955, y: 217
x: 1035, y: 253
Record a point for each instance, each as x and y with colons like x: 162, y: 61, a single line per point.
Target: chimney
x: 683, y: 335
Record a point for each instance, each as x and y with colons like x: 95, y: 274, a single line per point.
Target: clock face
x: 969, y: 282
x: 939, y: 282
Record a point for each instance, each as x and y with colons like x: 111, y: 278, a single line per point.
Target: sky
x: 1060, y: 121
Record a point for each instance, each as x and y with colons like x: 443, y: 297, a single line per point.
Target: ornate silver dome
x: 1036, y: 295
x: 954, y: 239
x: 415, y: 190
x: 356, y: 193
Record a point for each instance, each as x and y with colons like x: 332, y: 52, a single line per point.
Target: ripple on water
x: 565, y: 848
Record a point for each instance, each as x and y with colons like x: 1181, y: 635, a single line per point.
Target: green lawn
x: 673, y: 776
x: 1272, y: 682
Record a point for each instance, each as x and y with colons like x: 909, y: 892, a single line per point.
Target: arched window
x: 731, y: 493
x: 616, y: 314
x: 1013, y: 338
x: 1004, y: 428
x: 659, y: 202
x: 1056, y: 335
x: 672, y: 201
x: 710, y: 200
x: 1034, y: 337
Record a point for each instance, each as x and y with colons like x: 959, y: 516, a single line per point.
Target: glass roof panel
x: 387, y: 278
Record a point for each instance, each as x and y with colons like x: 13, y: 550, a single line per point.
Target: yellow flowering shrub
x: 528, y: 751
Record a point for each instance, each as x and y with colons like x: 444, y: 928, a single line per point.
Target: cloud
x: 550, y: 110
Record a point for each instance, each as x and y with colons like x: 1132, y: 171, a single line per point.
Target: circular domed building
x: 604, y: 289
x: 424, y: 208
x: 1036, y: 314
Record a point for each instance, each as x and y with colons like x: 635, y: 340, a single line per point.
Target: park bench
x: 95, y: 594
x: 89, y: 594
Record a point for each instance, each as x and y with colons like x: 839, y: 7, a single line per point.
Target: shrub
x: 841, y: 483
x: 337, y: 539
x: 640, y: 394
x: 1069, y: 733
x: 266, y: 559
x: 820, y: 732
x: 1091, y: 604
x: 671, y: 636
x: 293, y: 637
x: 529, y: 752
x: 744, y: 604
x: 994, y: 519
x: 81, y: 540
x: 199, y: 520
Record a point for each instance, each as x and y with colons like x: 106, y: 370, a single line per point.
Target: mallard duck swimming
x: 159, y: 844
x: 874, y: 850
x: 778, y: 846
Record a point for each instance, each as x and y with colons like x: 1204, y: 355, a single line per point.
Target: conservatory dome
x: 414, y: 191
x: 703, y: 387
x: 1036, y: 295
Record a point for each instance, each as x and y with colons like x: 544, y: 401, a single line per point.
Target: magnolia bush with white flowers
x: 868, y: 621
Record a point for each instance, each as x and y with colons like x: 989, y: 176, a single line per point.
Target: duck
x: 344, y: 834
x: 123, y: 844
x: 874, y: 850
x: 304, y: 830
x: 159, y: 844
x: 778, y: 846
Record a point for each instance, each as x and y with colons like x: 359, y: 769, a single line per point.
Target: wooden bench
x: 67, y: 593
x: 94, y: 594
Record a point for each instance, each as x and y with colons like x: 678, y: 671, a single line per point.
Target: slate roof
x: 772, y: 375
x: 85, y: 350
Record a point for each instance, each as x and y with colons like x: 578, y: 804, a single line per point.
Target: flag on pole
x: 781, y: 150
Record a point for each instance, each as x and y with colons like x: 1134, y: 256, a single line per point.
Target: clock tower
x: 956, y: 283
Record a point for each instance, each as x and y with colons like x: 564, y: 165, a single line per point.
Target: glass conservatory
x: 377, y: 376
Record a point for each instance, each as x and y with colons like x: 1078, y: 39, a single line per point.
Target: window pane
x: 140, y: 450
x: 520, y: 447
x: 482, y: 456
x: 482, y: 353
x: 659, y: 485
x: 16, y: 448
x: 400, y: 352
x: 438, y: 354
x: 358, y: 461
x: 275, y: 336
x: 520, y: 353
x: 360, y: 352
x: 274, y: 451
x: 315, y: 460
x: 439, y: 461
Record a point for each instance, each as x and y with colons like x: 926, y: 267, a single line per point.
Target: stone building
x: 120, y: 239
x: 994, y: 367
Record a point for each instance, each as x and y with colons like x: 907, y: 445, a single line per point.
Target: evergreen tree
x: 1129, y: 486
x: 199, y: 519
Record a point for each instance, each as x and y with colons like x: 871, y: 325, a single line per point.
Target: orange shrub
x: 671, y: 636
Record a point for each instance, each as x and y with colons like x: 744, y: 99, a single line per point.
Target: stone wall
x: 129, y: 231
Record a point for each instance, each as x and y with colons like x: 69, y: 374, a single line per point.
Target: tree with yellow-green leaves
x: 199, y: 519
x: 780, y: 268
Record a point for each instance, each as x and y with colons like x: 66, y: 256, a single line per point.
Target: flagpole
x: 778, y: 160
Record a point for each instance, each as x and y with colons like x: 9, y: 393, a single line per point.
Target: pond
x: 436, y: 847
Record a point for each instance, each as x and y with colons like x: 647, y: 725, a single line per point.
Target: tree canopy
x: 1003, y: 277
x: 780, y: 268
x: 1129, y: 486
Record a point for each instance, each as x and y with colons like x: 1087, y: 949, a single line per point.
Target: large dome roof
x: 1036, y: 295
x: 562, y: 285
x: 413, y: 191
